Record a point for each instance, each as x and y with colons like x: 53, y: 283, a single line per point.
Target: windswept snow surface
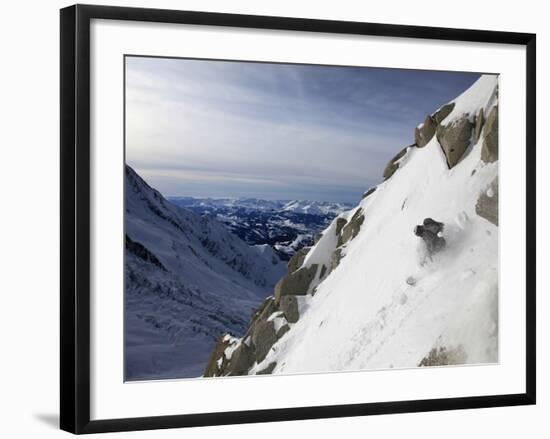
x: 388, y: 304
x: 187, y: 281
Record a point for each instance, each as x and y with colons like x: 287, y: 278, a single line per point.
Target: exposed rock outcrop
x: 479, y: 122
x: 443, y: 356
x: 296, y: 283
x: 489, y: 149
x: 351, y: 229
x: 424, y: 133
x: 455, y: 139
x: 393, y: 164
x: 487, y: 203
x: 440, y: 115
x: 369, y: 192
x: 297, y: 260
x: 289, y: 306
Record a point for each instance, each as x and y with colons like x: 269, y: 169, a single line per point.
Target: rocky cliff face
x: 366, y: 295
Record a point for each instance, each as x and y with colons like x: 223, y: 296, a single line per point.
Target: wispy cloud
x: 279, y: 131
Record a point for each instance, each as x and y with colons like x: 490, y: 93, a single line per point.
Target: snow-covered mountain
x: 258, y: 204
x: 286, y: 226
x: 187, y: 279
x: 315, y: 207
x: 367, y: 295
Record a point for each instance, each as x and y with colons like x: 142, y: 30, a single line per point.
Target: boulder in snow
x: 369, y: 192
x: 455, y: 139
x: 351, y: 229
x: 487, y: 203
x: 440, y: 115
x: 270, y: 367
x: 393, y: 164
x: 479, y: 122
x: 297, y: 260
x: 424, y: 133
x: 489, y: 150
x: 296, y: 283
x: 289, y: 306
x: 264, y: 335
x: 442, y: 356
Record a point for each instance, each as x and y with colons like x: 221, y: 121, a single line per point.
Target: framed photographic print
x: 268, y: 218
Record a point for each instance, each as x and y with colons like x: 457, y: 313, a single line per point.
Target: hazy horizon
x: 223, y: 129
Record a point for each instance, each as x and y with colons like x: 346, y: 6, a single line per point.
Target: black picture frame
x: 75, y: 217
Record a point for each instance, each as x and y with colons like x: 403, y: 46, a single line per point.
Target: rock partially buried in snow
x: 351, y: 229
x: 270, y: 367
x: 455, y: 139
x: 340, y: 223
x: 240, y: 361
x: 297, y: 260
x: 442, y: 356
x: 424, y: 133
x: 440, y: 115
x: 479, y: 122
x: 487, y: 203
x: 393, y: 164
x: 289, y: 306
x: 369, y: 192
x: 264, y: 335
x: 489, y: 150
x: 214, y: 365
x: 296, y: 283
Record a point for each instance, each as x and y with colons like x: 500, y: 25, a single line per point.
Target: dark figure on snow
x: 431, y: 232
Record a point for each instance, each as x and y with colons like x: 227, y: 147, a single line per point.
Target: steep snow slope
x: 187, y: 279
x: 369, y: 296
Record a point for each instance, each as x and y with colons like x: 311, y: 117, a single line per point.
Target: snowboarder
x: 431, y: 232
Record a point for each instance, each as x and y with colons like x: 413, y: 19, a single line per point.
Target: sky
x: 275, y: 131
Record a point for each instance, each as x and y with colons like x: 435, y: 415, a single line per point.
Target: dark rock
x: 440, y: 115
x: 263, y: 337
x: 479, y: 122
x: 424, y: 133
x: 267, y: 308
x: 323, y: 271
x: 241, y: 360
x: 340, y: 223
x: 489, y: 150
x: 443, y: 356
x: 392, y: 166
x: 297, y: 260
x: 296, y: 283
x: 455, y: 139
x: 289, y: 306
x: 351, y: 229
x: 335, y: 259
x: 317, y: 238
x: 369, y: 192
x: 212, y: 368
x: 269, y: 369
x: 487, y: 206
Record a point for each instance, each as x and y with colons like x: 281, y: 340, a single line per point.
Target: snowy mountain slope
x: 368, y: 295
x: 187, y: 279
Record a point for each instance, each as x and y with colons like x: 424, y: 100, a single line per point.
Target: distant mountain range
x: 285, y: 225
